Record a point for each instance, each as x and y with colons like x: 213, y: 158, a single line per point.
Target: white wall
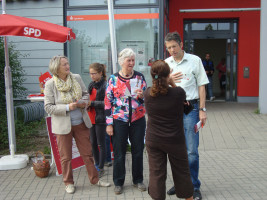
x: 263, y: 59
x: 36, y: 53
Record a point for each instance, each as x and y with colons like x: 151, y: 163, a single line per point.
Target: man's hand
x: 176, y: 76
x: 202, y: 99
x: 202, y: 117
x: 171, y: 81
x: 109, y: 130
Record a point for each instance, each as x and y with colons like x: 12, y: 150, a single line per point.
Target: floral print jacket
x: 121, y: 101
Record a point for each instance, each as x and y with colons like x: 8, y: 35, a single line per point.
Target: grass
x: 257, y: 111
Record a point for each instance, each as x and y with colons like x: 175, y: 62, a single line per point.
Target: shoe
x: 197, y: 195
x: 108, y: 164
x: 103, y: 184
x: 101, y: 172
x: 140, y: 186
x: 70, y: 189
x: 118, y: 189
x: 171, y: 191
x: 212, y: 98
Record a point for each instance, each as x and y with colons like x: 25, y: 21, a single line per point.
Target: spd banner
x: 76, y: 161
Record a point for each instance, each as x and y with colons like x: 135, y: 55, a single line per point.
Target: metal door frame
x: 231, y: 37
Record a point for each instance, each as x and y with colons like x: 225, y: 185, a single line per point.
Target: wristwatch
x: 203, y: 109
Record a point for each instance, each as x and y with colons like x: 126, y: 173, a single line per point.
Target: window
x: 92, y: 43
x: 127, y: 2
x: 135, y: 28
x: 139, y: 31
x: 87, y: 3
x: 199, y: 26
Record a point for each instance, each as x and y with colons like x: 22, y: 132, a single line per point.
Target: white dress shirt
x: 193, y: 71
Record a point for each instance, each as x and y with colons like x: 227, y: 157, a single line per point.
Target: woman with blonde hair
x: 165, y: 134
x: 66, y: 100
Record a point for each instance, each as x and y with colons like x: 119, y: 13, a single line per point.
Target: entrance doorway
x: 219, y: 39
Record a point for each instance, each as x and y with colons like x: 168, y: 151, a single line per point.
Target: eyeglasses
x: 93, y: 74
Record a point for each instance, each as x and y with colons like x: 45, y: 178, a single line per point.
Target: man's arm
x: 202, y: 100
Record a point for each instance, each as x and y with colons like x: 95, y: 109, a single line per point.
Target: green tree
x: 18, y: 90
x: 17, y: 74
x: 209, y: 27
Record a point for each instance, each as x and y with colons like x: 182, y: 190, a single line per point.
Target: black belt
x: 193, y: 101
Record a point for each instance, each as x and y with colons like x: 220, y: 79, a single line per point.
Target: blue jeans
x: 136, y: 133
x: 209, y: 87
x: 108, y: 152
x: 192, y: 142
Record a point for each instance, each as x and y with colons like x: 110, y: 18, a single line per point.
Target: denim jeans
x: 209, y: 87
x: 108, y: 152
x: 136, y: 133
x: 192, y: 142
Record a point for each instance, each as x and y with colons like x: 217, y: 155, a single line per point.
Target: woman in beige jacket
x: 66, y: 99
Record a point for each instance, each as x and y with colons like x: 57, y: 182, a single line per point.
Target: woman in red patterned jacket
x: 125, y: 118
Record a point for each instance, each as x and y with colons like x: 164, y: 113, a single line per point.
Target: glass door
x: 219, y: 39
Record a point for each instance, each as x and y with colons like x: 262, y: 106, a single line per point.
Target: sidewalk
x: 233, y: 164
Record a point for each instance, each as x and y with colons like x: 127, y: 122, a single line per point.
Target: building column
x: 263, y: 59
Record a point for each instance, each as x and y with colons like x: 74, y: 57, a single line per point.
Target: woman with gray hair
x: 65, y: 100
x: 125, y: 118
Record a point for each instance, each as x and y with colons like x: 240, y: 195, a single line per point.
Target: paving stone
x: 233, y: 160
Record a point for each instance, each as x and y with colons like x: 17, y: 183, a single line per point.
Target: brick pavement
x: 233, y: 164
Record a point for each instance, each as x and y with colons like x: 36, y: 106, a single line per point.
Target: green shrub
x: 257, y: 111
x: 17, y: 74
x: 3, y: 132
x: 24, y: 133
x: 47, y: 150
x: 18, y: 90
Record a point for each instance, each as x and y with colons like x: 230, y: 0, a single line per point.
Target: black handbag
x: 188, y: 107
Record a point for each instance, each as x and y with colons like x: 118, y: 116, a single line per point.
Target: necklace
x: 127, y: 75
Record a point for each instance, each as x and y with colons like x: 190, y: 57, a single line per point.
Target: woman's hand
x: 139, y: 93
x: 72, y: 106
x: 81, y: 105
x: 109, y: 130
x: 89, y: 104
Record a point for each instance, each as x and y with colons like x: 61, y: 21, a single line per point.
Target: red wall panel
x: 248, y: 34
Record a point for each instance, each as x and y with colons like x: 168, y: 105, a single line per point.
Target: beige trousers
x: 81, y: 135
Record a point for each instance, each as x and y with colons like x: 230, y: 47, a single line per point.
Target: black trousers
x: 157, y: 159
x: 136, y: 132
x: 98, y: 138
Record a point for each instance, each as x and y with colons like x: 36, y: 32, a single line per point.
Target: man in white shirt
x: 189, y: 73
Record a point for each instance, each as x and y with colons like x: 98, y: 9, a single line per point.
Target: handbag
x: 188, y: 107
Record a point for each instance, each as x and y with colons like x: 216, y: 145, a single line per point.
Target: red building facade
x: 247, y: 15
